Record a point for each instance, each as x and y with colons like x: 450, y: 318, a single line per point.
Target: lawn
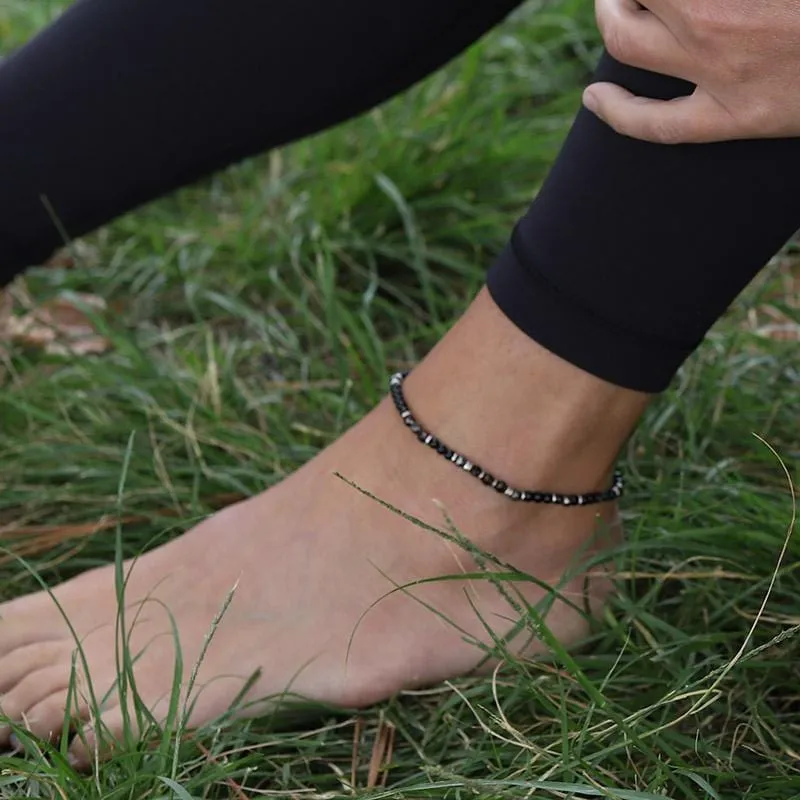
x: 251, y: 318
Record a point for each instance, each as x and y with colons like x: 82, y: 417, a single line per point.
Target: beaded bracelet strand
x: 526, y: 496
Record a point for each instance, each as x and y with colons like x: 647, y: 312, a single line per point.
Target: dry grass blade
x: 34, y: 539
x: 381, y: 757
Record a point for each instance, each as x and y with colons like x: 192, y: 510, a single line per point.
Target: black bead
x: 537, y: 497
x: 488, y: 479
x: 434, y: 443
x: 573, y: 499
x: 476, y: 470
x: 414, y: 427
x: 500, y: 486
x: 442, y: 448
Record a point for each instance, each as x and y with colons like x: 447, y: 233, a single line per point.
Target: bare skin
x: 311, y: 561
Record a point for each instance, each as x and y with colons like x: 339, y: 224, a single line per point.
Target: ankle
x: 524, y: 414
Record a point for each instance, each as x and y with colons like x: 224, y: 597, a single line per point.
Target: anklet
x: 592, y: 498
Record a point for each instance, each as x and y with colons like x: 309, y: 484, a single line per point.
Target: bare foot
x: 310, y: 564
x: 305, y: 561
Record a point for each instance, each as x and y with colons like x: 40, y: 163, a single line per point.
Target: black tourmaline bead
x: 537, y: 497
x: 414, y: 427
x: 476, y: 470
x: 501, y: 486
x: 409, y: 421
x: 443, y: 449
x: 488, y: 479
x: 434, y: 443
x: 573, y: 499
x: 517, y: 495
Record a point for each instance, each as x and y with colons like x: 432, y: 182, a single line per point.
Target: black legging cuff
x: 577, y: 334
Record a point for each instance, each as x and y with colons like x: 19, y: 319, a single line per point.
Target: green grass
x: 258, y: 315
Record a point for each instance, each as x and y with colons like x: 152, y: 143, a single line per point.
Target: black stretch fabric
x: 632, y: 251
x: 625, y: 259
x: 122, y: 101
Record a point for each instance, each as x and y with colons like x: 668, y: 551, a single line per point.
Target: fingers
x: 637, y: 37
x: 697, y: 119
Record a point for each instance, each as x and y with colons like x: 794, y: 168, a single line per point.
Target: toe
x: 98, y: 741
x: 23, y: 661
x: 24, y: 629
x: 29, y: 692
x: 45, y: 720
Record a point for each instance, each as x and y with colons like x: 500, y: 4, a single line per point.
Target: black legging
x: 628, y: 255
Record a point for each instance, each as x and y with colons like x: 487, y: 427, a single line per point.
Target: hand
x: 742, y: 55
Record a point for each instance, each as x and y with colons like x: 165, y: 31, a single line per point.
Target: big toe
x: 100, y: 739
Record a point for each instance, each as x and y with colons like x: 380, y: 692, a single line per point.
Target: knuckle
x: 617, y: 43
x: 614, y: 37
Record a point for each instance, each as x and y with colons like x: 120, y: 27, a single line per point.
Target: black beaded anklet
x: 592, y: 498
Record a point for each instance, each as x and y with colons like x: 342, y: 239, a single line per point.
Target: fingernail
x: 590, y: 100
x: 14, y: 742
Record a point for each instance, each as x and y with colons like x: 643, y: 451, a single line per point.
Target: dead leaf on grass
x: 776, y: 316
x: 61, y: 326
x: 78, y: 253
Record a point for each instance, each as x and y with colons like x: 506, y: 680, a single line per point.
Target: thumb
x: 695, y: 119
